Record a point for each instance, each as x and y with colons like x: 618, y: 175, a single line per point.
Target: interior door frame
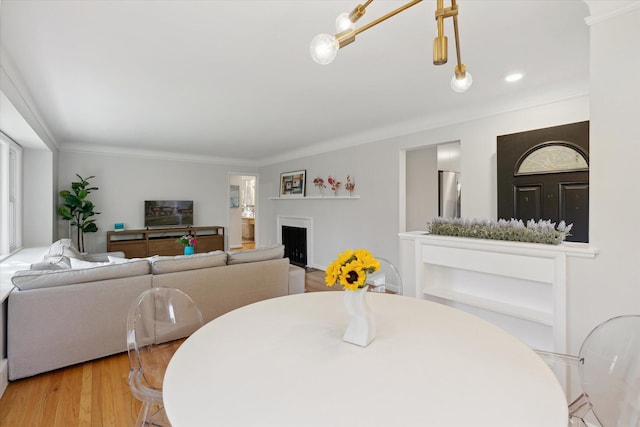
x: 256, y: 207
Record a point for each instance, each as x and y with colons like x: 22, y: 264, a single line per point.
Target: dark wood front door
x: 543, y: 174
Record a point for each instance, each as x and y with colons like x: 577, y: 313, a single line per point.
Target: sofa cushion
x: 64, y: 247
x: 171, y: 264
x: 80, y: 263
x: 101, y: 256
x: 28, y: 279
x: 262, y: 254
x: 52, y: 263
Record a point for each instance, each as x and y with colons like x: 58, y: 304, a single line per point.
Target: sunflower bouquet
x: 351, y: 268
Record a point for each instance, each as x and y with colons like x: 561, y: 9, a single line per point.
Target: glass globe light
x: 343, y: 23
x: 461, y: 85
x: 324, y: 48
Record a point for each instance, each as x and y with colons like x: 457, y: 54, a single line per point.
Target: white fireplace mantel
x: 518, y: 286
x: 301, y: 222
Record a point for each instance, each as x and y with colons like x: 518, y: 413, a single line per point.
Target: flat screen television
x: 168, y: 213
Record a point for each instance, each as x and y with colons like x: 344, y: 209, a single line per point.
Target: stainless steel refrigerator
x: 448, y: 194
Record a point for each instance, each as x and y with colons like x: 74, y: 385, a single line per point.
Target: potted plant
x: 78, y: 210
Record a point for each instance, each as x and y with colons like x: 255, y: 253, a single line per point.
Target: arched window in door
x: 550, y: 157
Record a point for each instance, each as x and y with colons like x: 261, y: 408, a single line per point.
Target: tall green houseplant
x: 78, y: 210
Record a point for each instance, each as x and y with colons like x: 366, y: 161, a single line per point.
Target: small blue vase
x: 189, y: 250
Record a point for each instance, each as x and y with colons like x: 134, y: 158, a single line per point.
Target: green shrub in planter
x: 512, y: 230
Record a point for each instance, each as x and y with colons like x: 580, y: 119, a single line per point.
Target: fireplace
x: 296, y: 234
x: 294, y: 240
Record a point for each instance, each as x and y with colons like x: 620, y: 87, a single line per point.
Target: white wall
x: 610, y: 285
x: 369, y: 222
x: 126, y: 182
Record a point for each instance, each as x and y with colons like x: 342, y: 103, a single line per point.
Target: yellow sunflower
x: 345, y: 257
x: 352, y: 275
x: 369, y: 263
x: 350, y: 269
x: 332, y: 274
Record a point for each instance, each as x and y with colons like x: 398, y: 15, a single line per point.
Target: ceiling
x: 234, y: 81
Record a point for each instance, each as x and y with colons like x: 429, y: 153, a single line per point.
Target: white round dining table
x: 282, y: 362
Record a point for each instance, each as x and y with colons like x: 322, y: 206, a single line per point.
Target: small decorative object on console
x: 189, y: 243
x: 350, y: 270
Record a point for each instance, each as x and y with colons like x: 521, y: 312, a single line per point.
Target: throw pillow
x: 52, y: 263
x: 262, y: 254
x: 171, y: 264
x: 64, y: 247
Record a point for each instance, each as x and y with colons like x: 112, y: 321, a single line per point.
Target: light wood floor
x: 248, y: 244
x: 95, y: 393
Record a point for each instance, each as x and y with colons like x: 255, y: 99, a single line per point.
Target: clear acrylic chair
x: 387, y: 278
x: 157, y: 323
x: 609, y: 367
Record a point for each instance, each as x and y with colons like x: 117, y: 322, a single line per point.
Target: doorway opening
x: 242, y: 211
x: 431, y: 179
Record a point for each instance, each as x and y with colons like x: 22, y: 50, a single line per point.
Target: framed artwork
x: 293, y: 184
x: 234, y: 193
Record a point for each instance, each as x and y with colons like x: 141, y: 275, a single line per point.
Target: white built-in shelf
x: 521, y: 287
x: 513, y: 310
x: 315, y: 198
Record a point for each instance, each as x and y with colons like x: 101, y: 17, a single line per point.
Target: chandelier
x: 324, y: 47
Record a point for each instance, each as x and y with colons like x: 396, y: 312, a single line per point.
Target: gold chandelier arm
x: 440, y: 17
x: 359, y: 11
x: 384, y: 17
x: 455, y: 31
x: 440, y: 42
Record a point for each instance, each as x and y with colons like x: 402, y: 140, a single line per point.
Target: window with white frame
x: 10, y: 195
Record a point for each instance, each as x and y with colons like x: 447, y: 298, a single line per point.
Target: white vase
x: 361, y: 329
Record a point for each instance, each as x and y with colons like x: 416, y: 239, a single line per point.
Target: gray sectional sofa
x: 69, y: 309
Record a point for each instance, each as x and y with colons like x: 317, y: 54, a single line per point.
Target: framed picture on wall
x: 293, y: 184
x: 234, y: 195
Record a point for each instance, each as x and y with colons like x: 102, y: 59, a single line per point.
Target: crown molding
x: 605, y: 10
x: 402, y: 129
x: 72, y: 147
x: 17, y: 95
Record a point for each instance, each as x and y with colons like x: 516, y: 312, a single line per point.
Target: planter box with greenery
x: 512, y: 230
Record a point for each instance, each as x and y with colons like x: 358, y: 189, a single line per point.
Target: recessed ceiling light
x: 513, y: 77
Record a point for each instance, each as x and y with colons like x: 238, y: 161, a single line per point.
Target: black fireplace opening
x: 294, y: 240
